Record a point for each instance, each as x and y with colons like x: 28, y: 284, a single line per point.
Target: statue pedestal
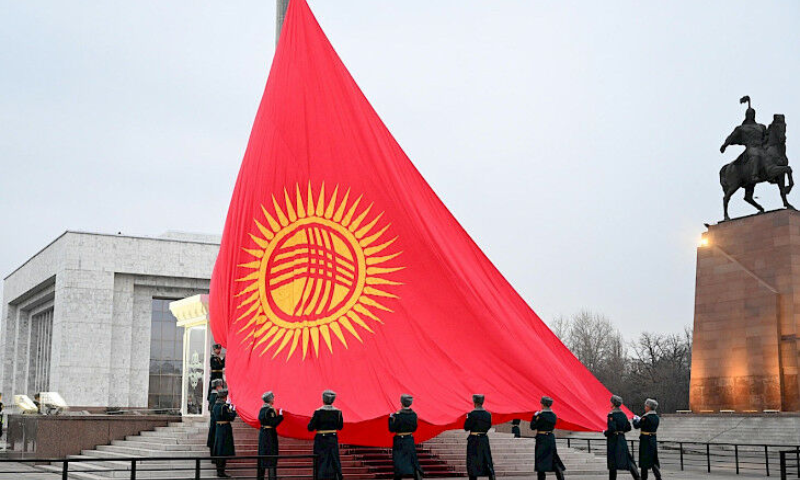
x: 747, y: 314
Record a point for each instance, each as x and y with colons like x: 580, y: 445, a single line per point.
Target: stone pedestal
x: 747, y: 313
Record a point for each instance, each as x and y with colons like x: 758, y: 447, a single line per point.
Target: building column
x: 192, y: 314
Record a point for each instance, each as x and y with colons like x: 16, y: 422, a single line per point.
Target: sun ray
x: 365, y: 230
x: 286, y: 339
x: 259, y: 241
x: 253, y: 286
x: 301, y: 212
x: 326, y: 335
x: 251, y: 265
x: 378, y: 293
x: 294, y: 344
x: 354, y: 317
x: 337, y: 330
x: 278, y: 335
x: 366, y: 312
x: 349, y: 326
x: 249, y: 324
x: 377, y: 248
x: 266, y: 336
x: 315, y: 340
x: 272, y: 222
x: 378, y: 260
x: 250, y: 310
x: 351, y: 212
x: 264, y: 231
x: 353, y: 226
x: 305, y: 342
x: 380, y: 270
x: 289, y: 207
x: 310, y: 208
x: 252, y: 298
x: 368, y: 241
x: 254, y: 252
x: 337, y: 217
x: 332, y: 203
x: 281, y: 216
x: 321, y: 201
x: 372, y: 303
x: 264, y: 329
x: 381, y: 281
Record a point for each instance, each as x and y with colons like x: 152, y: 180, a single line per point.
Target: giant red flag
x: 340, y: 268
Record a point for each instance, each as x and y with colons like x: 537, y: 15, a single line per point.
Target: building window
x: 166, y: 352
x: 40, y: 341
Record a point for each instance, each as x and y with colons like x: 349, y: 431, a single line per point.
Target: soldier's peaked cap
x: 406, y: 400
x: 268, y: 396
x: 616, y: 400
x: 546, y: 401
x: 478, y: 399
x: 328, y: 396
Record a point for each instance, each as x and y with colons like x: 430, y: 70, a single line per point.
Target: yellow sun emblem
x: 316, y: 270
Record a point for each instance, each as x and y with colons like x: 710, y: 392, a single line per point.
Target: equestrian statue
x: 763, y: 160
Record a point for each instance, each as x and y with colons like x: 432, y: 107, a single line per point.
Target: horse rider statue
x: 763, y: 160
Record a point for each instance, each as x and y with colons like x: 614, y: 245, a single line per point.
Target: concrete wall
x: 100, y: 287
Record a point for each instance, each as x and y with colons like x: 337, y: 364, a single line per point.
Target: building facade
x: 88, y: 317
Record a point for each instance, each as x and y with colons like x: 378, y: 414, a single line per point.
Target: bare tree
x: 655, y: 365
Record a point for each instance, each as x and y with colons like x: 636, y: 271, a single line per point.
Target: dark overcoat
x: 223, y: 435
x: 618, y: 455
x: 479, y: 453
x: 547, y: 459
x: 269, y: 419
x: 212, y: 423
x: 404, y: 451
x: 648, y: 444
x: 326, y: 445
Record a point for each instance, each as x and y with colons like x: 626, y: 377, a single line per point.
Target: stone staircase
x: 443, y: 456
x: 512, y: 456
x: 719, y: 428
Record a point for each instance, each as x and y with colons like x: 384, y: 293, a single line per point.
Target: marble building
x: 88, y: 316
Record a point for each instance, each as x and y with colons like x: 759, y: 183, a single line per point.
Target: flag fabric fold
x: 341, y: 269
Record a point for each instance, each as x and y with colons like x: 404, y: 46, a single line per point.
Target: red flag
x: 340, y: 268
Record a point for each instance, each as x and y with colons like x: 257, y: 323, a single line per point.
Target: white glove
x: 637, y: 417
x: 391, y: 414
x: 280, y: 412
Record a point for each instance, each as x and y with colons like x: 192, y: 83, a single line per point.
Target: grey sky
x: 577, y: 142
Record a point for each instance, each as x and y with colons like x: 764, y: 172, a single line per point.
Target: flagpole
x: 280, y: 14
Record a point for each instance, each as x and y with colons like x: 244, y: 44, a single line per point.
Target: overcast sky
x: 577, y: 142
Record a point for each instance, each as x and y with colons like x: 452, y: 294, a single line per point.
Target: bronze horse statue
x: 764, y: 159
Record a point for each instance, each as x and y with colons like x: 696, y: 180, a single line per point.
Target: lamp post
x: 280, y: 14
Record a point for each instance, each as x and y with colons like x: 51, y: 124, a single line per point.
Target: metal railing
x: 240, y: 467
x: 738, y: 458
x: 790, y: 463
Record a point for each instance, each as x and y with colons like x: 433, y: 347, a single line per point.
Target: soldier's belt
x: 544, y: 432
x: 266, y: 427
x: 648, y: 433
x: 325, y: 432
x: 217, y: 371
x: 478, y: 434
x: 223, y: 423
x: 403, y: 434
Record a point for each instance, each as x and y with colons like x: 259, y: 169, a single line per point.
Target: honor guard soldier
x: 1, y: 414
x: 216, y: 386
x: 515, y: 428
x: 217, y: 363
x: 224, y: 414
x: 648, y: 444
x: 479, y: 454
x: 403, y: 424
x: 269, y: 418
x: 618, y: 456
x: 547, y: 459
x: 326, y: 421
